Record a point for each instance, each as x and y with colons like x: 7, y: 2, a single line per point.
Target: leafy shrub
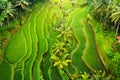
x: 113, y: 58
x: 98, y: 75
x: 115, y: 65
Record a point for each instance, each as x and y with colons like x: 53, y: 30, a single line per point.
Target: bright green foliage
x: 55, y: 43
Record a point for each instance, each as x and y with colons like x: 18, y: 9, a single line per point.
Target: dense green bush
x: 98, y: 75
x: 107, y: 12
x: 10, y: 9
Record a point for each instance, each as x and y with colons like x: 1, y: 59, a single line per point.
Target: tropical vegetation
x: 59, y: 40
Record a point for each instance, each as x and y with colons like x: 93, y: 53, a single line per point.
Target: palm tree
x: 22, y: 4
x: 6, y: 11
x: 116, y: 19
x: 59, y: 47
x: 64, y: 31
x: 60, y: 62
x: 9, y: 9
x: 114, y: 11
x: 60, y: 54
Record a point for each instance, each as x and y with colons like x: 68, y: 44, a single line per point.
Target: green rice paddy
x: 27, y: 56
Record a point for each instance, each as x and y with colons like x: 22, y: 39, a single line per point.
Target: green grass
x: 55, y: 74
x: 18, y: 75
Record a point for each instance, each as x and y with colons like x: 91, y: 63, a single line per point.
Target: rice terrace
x: 59, y: 40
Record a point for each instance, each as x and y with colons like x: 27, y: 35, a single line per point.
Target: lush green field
x: 27, y: 56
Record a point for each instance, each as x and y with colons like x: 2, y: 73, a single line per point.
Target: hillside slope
x: 56, y: 43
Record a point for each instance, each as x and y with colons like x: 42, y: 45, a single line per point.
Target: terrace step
x: 94, y: 24
x: 29, y: 61
x: 71, y: 68
x: 81, y: 38
x: 27, y: 35
x: 42, y: 42
x: 90, y: 53
x: 46, y: 62
x: 16, y: 55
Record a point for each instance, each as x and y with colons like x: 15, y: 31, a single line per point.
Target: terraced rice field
x: 28, y: 54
